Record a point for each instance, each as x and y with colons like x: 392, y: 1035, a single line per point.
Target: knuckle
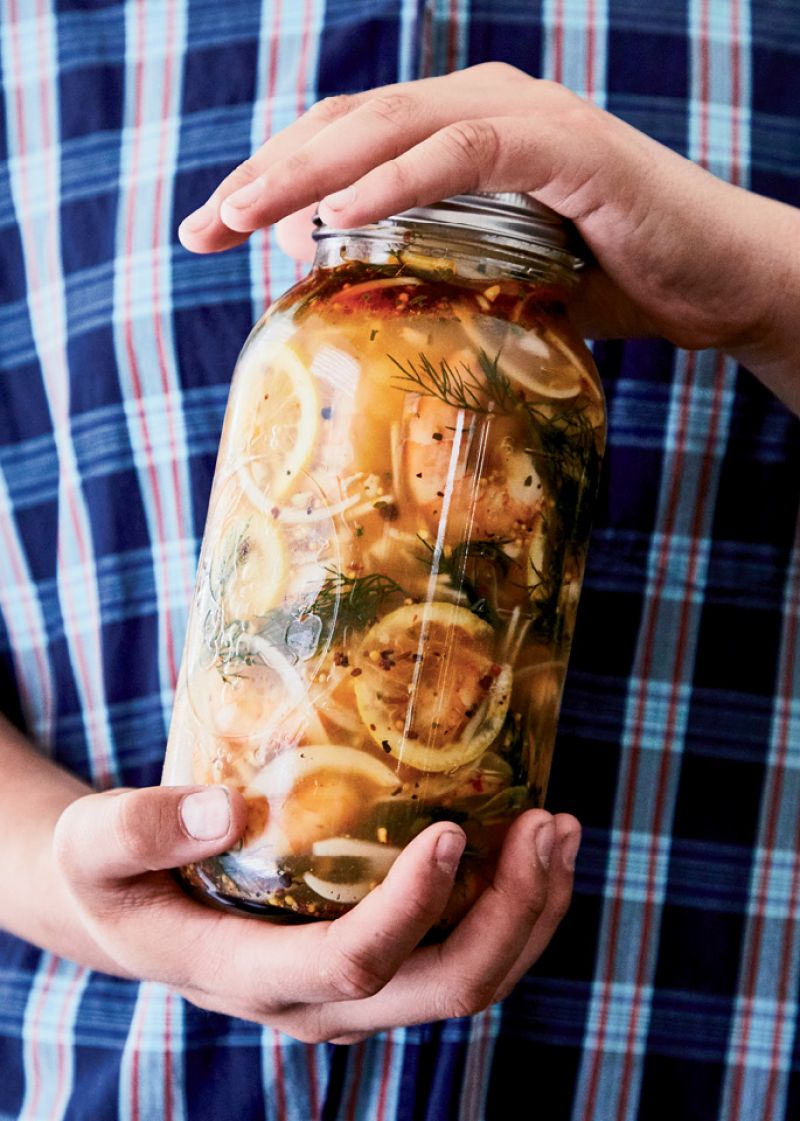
x: 502, y: 71
x: 299, y: 165
x: 331, y: 108
x: 393, y: 108
x: 400, y: 181
x: 474, y: 142
x: 351, y: 975
x: 473, y: 997
x: 139, y: 829
x: 245, y: 173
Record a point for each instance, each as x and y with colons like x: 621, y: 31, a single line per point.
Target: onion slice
x: 283, y: 772
x: 338, y: 893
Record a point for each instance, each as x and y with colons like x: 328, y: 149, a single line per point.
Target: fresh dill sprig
x: 454, y: 566
x: 343, y: 604
x: 350, y: 603
x: 562, y: 444
x: 459, y: 386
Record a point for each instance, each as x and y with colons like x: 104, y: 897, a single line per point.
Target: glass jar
x: 393, y: 555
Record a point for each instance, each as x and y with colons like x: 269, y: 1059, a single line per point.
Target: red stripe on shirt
x: 280, y: 1083
x: 637, y: 735
x: 272, y: 79
x: 590, y: 49
x: 452, y: 38
x: 787, y: 942
x: 169, y: 391
x: 35, y: 1086
x: 669, y: 732
x: 558, y: 42
x: 386, y: 1073
x: 130, y: 351
x: 302, y: 86
x: 357, y: 1053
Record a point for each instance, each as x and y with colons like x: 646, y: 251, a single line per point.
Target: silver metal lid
x: 513, y: 216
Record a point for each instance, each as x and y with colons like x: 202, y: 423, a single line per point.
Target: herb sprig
x: 461, y: 388
x: 562, y: 444
x: 454, y: 565
x: 350, y: 603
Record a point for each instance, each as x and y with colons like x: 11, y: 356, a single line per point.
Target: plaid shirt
x: 671, y: 989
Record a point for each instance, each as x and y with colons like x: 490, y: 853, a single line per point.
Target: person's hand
x: 677, y: 252
x: 339, y: 980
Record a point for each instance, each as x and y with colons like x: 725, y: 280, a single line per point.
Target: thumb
x: 101, y: 839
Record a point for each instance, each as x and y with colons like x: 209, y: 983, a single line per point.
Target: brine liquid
x: 388, y: 580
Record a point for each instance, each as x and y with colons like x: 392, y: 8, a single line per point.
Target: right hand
x: 676, y: 251
x: 338, y: 981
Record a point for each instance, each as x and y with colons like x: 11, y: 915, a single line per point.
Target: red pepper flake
x: 438, y: 436
x: 372, y: 728
x: 387, y: 747
x: 528, y: 481
x: 486, y: 681
x: 419, y: 474
x: 356, y: 672
x: 340, y: 659
x: 440, y: 494
x: 388, y: 511
x: 496, y: 670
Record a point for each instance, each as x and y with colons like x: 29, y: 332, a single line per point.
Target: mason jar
x: 393, y: 555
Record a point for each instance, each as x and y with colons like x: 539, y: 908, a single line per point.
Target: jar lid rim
x: 508, y: 215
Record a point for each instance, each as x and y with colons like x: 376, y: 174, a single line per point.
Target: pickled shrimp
x: 485, y: 481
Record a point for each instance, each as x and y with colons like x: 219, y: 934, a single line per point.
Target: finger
x: 482, y: 154
x: 384, y: 124
x: 462, y: 975
x: 202, y: 231
x: 283, y: 976
x: 364, y: 948
x: 103, y: 839
x: 559, y: 894
x: 294, y: 234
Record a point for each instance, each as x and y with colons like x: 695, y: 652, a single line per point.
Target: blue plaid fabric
x: 672, y: 988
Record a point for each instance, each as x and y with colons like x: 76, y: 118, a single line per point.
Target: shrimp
x: 494, y: 489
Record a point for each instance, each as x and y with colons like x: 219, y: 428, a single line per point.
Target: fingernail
x: 339, y: 200
x: 207, y: 815
x: 246, y: 196
x: 545, y: 839
x: 569, y: 849
x: 448, y: 850
x: 198, y: 219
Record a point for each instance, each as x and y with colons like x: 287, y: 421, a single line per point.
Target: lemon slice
x: 249, y: 566
x: 542, y: 365
x: 274, y: 418
x: 430, y: 693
